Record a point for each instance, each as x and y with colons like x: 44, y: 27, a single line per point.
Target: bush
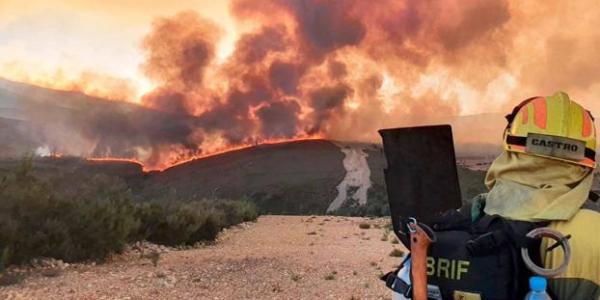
x: 90, y: 221
x: 177, y: 222
x: 74, y: 218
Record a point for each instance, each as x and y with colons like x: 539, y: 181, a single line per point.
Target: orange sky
x: 250, y: 70
x: 87, y: 35
x: 557, y: 39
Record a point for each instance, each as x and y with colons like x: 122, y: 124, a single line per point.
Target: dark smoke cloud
x: 476, y: 20
x: 253, y: 48
x: 326, y: 102
x: 325, y: 26
x: 291, y: 76
x: 336, y: 69
x: 232, y: 117
x: 179, y: 49
x: 285, y: 76
x: 420, y: 32
x: 279, y: 119
x: 121, y: 131
x: 166, y: 100
x: 74, y: 124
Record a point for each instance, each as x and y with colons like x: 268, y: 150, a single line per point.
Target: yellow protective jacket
x: 530, y: 188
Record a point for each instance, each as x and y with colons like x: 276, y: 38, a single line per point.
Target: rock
x: 167, y: 282
x: 161, y: 274
x: 52, y: 272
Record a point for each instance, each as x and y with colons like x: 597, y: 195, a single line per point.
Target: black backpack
x: 475, y: 258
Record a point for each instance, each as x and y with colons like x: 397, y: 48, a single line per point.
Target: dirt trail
x: 279, y: 257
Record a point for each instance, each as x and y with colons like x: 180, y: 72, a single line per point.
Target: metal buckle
x: 408, y: 292
x: 412, y: 225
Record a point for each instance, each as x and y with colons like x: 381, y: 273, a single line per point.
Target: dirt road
x: 278, y: 257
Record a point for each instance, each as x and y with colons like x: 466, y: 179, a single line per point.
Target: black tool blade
x: 421, y: 177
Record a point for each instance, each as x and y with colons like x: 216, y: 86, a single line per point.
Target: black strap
x: 487, y: 243
x: 511, y: 117
x: 393, y: 282
x: 593, y: 197
x: 396, y: 284
x: 591, y: 116
x: 522, y: 141
x: 591, y: 154
x: 513, y: 232
x: 516, y: 140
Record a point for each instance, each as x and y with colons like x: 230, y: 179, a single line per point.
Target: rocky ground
x: 278, y: 257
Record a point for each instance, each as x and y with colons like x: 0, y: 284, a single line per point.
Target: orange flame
x: 163, y: 167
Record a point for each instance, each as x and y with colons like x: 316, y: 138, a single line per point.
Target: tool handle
x: 419, y: 245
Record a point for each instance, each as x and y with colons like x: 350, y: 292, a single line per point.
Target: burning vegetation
x: 299, y: 69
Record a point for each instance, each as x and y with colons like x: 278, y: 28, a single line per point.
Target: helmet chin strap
x: 511, y: 117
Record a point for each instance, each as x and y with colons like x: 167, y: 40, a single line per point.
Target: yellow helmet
x: 555, y: 127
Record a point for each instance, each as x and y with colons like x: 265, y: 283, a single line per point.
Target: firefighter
x: 546, y: 174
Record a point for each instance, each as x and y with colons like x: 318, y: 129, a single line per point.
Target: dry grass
x: 397, y: 253
x: 384, y: 237
x: 364, y: 225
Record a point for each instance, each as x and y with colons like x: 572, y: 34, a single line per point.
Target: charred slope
x: 300, y: 177
x: 287, y: 178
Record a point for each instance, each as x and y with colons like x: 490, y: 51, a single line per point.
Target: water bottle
x: 537, y: 287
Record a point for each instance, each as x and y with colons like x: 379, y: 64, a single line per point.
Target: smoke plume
x: 343, y: 69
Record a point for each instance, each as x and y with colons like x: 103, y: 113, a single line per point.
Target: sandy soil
x: 279, y: 257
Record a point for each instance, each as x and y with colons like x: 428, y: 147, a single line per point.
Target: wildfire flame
x: 320, y: 69
x: 171, y: 164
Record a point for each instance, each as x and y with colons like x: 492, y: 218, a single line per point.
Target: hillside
x: 287, y: 178
x: 300, y: 177
x: 72, y: 123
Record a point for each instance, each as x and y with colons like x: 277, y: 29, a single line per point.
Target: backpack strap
x: 593, y: 196
x: 506, y: 232
x: 395, y: 283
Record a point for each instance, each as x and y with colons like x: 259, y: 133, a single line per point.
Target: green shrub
x: 235, y: 212
x: 94, y: 218
x: 177, y: 222
x: 76, y: 218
